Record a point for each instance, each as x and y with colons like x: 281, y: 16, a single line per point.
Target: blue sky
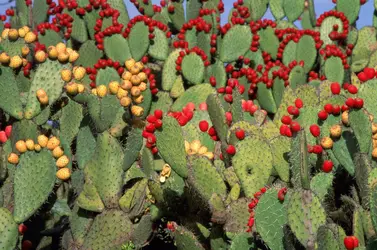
x: 365, y: 18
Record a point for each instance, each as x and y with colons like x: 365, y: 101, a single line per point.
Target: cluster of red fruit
x: 232, y: 84
x: 333, y: 50
x: 367, y: 74
x: 156, y: 8
x: 114, y: 28
x: 185, y: 52
x: 253, y: 203
x: 152, y: 24
x: 154, y: 122
x: 5, y: 134
x: 335, y: 35
x: 351, y: 242
x: 289, y: 126
x: 184, y: 116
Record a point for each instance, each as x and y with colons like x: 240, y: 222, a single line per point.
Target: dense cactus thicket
x: 173, y: 130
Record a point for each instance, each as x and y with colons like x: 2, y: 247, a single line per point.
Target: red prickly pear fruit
x: 283, y: 129
x: 8, y: 130
x: 203, y: 106
x: 3, y: 137
x: 158, y: 113
x: 158, y: 124
x: 221, y: 156
x: 328, y: 108
x: 228, y: 116
x: 336, y: 110
x: 369, y: 72
x: 317, y: 149
x: 253, y: 109
x: 295, y: 126
x: 327, y: 166
x: 362, y: 77
x: 286, y: 120
x: 322, y: 115
x: 315, y: 130
x: 203, y: 126
x: 240, y: 134
x: 352, y: 89
x: 151, y: 139
x: 22, y: 229
x: 190, y: 106
x: 154, y: 150
x: 293, y: 110
x: 335, y: 88
x: 212, y: 131
x: 150, y: 127
x: 26, y: 245
x: 263, y: 190
x: 251, y: 222
x: 182, y: 120
x: 231, y: 150
x: 359, y: 103
x: 288, y: 132
x: 281, y: 193
x: 349, y: 242
x: 151, y: 118
x: 257, y: 195
x: 350, y: 102
x: 299, y: 103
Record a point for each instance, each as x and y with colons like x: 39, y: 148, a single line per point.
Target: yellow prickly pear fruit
x: 142, y: 86
x: 71, y: 88
x: 202, y: 150
x: 37, y: 147
x: 374, y: 128
x: 4, y: 34
x: 80, y: 88
x: 43, y: 100
x: 52, y: 52
x: 21, y: 146
x: 345, y: 118
x: 62, y: 161
x: 63, y: 174
x: 15, y: 62
x: 61, y: 47
x: 135, y: 80
x: 21, y: 32
x: 374, y: 143
x: 42, y: 140
x: 4, y: 57
x: 187, y: 147
x: 129, y: 63
x: 13, y: 158
x: 139, y: 99
x: 53, y: 142
x: 137, y: 110
x: 126, y: 75
x: 40, y: 56
x: 114, y: 87
x: 209, y: 155
x: 126, y: 85
x: 336, y: 131
x: 134, y: 70
x: 125, y: 101
x: 79, y: 73
x: 166, y: 170
x: 66, y: 75
x: 101, y: 90
x: 41, y: 93
x: 326, y: 142
x: 140, y: 65
x: 94, y: 91
x: 135, y: 91
x: 24, y: 62
x: 121, y: 93
x: 25, y: 51
x: 26, y: 28
x: 30, y: 144
x: 57, y: 152
x: 142, y: 76
x: 30, y: 37
x: 374, y: 153
x: 195, y: 145
x: 13, y: 34
x: 63, y: 57
x: 73, y: 56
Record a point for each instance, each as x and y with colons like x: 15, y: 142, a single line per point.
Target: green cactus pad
x: 238, y: 215
x: 40, y: 8
x: 265, y: 98
x: 269, y: 41
x: 350, y: 8
x: 280, y: 147
x: 363, y: 168
x: 321, y: 184
x: 358, y: 230
x: 116, y: 48
x: 138, y: 40
x: 133, y: 146
x: 89, y: 54
x: 32, y: 166
x: 171, y: 145
x: 169, y: 73
x: 204, y: 178
x: 297, y: 77
x: 252, y: 164
x: 327, y: 27
x: 190, y: 62
x: 105, y: 170
x: 69, y: 123
x: 271, y: 211
x: 48, y: 78
x: 86, y: 144
x: 159, y: 48
x: 197, y: 94
x: 293, y: 9
x: 364, y: 47
x: 278, y: 90
x: 373, y: 199
x: 359, y: 122
x: 8, y: 230
x: 218, y: 71
x: 334, y: 70
x: 289, y: 53
x: 50, y: 38
x: 107, y: 75
x: 134, y: 196
x: 10, y: 100
x: 298, y: 158
x: 328, y: 238
x: 143, y: 231
x: 147, y: 162
x: 341, y: 150
x: 122, y: 8
x: 79, y: 32
x: 178, y: 88
x: 89, y: 199
x: 236, y: 42
x: 276, y: 7
x: 305, y: 216
x: 367, y: 92
x: 163, y: 102
x: 236, y: 107
x: 307, y: 52
x: 109, y: 231
x: 242, y: 241
x: 185, y: 239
